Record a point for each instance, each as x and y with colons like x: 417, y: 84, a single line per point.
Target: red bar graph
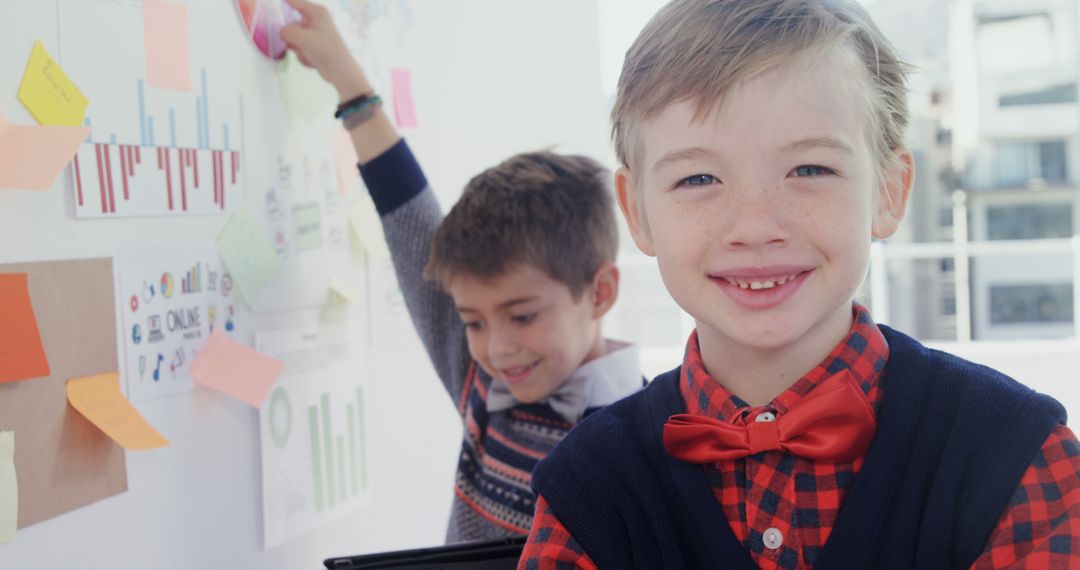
x: 78, y: 180
x: 124, y: 171
x: 171, y: 187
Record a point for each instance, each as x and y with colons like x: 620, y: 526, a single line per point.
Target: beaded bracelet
x: 354, y: 116
x: 355, y: 101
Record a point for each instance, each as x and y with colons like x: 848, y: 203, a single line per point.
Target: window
x: 1065, y: 93
x: 1042, y: 221
x: 1021, y: 162
x: 998, y: 38
x: 1027, y: 304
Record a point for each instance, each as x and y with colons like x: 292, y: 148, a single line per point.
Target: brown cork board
x: 62, y: 461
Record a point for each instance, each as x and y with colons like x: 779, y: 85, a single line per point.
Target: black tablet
x: 492, y: 555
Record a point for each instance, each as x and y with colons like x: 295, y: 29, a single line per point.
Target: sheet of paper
x: 367, y: 228
x: 236, y: 370
x: 9, y: 488
x: 157, y: 151
x: 172, y: 298
x: 404, y: 111
x: 165, y: 30
x: 64, y: 461
x: 248, y: 254
x: 32, y: 156
x: 99, y: 400
x: 47, y: 92
x: 21, y: 354
x: 313, y: 433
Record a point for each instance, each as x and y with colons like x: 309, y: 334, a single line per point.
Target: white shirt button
x: 765, y: 417
x: 772, y: 538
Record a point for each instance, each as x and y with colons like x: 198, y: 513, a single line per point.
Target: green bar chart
x: 314, y: 450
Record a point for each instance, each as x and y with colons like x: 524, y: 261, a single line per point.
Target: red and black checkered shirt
x: 776, y: 491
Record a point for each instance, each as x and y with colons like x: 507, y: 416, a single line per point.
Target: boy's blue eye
x: 698, y: 180
x: 811, y: 170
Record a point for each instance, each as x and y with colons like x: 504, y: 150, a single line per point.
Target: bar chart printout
x: 313, y: 435
x: 154, y: 149
x: 159, y: 177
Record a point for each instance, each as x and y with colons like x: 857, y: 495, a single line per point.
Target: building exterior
x: 1016, y: 143
x: 996, y: 136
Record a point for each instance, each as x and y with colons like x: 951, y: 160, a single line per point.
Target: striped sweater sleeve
x: 410, y: 215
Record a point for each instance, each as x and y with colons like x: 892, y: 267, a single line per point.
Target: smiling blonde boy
x: 762, y: 151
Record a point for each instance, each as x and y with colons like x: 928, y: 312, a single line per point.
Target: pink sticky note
x: 166, y: 33
x: 32, y: 156
x: 346, y: 159
x: 235, y: 369
x: 404, y: 112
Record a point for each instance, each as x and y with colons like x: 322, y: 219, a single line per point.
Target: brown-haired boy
x: 762, y: 150
x: 527, y: 257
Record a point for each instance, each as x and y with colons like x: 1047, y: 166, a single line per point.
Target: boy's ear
x: 893, y: 194
x: 604, y: 289
x: 626, y: 193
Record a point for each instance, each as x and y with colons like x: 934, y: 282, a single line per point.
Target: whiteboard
x: 490, y: 78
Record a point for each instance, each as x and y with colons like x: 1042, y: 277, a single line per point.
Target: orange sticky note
x: 166, y: 33
x: 21, y: 354
x: 32, y: 156
x: 235, y: 369
x: 404, y: 111
x: 98, y: 398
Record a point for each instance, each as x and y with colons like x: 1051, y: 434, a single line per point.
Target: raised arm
x: 318, y: 45
x: 407, y: 207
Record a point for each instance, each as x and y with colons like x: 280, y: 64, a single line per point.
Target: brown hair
x: 699, y: 49
x: 551, y: 211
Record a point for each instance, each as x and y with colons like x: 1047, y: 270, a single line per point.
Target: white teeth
x: 757, y: 285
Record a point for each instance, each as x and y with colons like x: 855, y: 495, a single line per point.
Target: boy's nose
x: 754, y: 220
x: 501, y: 344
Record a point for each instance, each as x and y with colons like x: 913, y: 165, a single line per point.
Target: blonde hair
x: 698, y: 50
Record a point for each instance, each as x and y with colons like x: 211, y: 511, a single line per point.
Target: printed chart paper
x: 172, y: 298
x: 313, y: 434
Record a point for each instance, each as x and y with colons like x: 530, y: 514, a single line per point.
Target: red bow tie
x: 834, y: 423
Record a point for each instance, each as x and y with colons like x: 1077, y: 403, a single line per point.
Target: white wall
x: 491, y: 78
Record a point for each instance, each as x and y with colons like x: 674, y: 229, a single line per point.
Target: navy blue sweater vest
x: 952, y: 442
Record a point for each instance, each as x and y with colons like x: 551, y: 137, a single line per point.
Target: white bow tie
x: 569, y: 401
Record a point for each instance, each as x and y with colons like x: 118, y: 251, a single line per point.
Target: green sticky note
x: 307, y: 220
x: 9, y: 488
x: 249, y: 255
x: 305, y: 94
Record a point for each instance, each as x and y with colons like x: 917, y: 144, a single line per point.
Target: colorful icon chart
x: 263, y: 20
x: 175, y: 297
x: 146, y: 179
x: 313, y: 435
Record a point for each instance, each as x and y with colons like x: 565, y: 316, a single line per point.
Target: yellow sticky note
x: 98, y: 398
x: 235, y: 369
x: 344, y: 288
x: 367, y: 227
x: 9, y: 488
x: 47, y: 92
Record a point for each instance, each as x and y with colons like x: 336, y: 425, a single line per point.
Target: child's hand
x: 318, y: 45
